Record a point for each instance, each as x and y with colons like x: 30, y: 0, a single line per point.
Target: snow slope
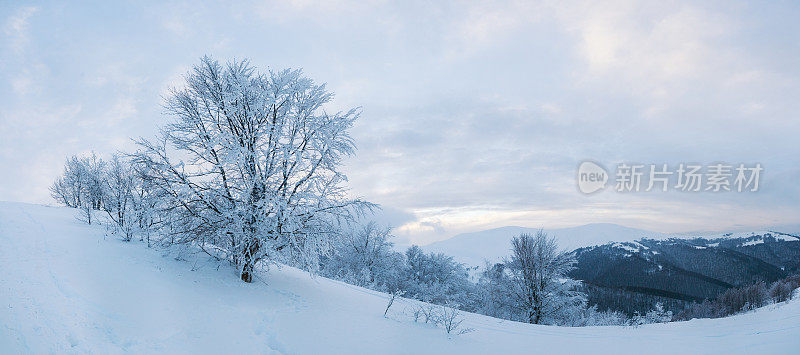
x: 66, y: 288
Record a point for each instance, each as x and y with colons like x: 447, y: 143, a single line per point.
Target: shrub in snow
x: 450, y: 319
x: 655, y: 315
x: 590, y: 316
x: 447, y: 316
x: 427, y: 313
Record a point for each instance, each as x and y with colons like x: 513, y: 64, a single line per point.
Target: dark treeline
x: 634, y: 276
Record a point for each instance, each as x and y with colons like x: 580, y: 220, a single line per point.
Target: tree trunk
x: 247, y: 272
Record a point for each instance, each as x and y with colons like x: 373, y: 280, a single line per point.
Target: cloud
x: 16, y: 28
x: 124, y: 108
x: 485, y: 24
x: 26, y: 79
x: 475, y: 115
x: 29, y: 79
x: 648, y: 48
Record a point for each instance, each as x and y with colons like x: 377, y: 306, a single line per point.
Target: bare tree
x: 118, y: 199
x: 259, y: 176
x: 392, y: 296
x: 364, y: 256
x: 81, y: 185
x: 538, y: 273
x: 450, y: 318
x: 69, y: 187
x: 94, y: 185
x: 60, y: 192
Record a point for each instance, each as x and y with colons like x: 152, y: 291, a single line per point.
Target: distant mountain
x: 494, y: 244
x: 633, y: 276
x: 630, y: 270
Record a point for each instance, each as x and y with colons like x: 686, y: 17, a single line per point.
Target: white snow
x: 737, y: 235
x: 753, y: 242
x: 626, y: 247
x: 66, y: 289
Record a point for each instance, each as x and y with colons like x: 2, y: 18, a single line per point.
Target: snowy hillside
x: 66, y: 288
x: 494, y: 244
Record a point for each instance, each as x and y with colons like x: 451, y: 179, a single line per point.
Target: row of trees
x: 81, y: 185
x: 742, y: 299
x: 111, y: 188
x: 247, y: 170
x: 530, y: 286
x: 366, y: 257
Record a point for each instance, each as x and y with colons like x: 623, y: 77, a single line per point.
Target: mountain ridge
x: 492, y: 245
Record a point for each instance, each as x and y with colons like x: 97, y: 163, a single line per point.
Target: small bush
x: 448, y: 317
x: 426, y: 313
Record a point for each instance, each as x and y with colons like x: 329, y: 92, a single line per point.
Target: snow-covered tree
x: 95, y: 173
x: 147, y: 199
x: 539, y: 282
x: 81, y: 185
x: 496, y: 284
x: 590, y: 316
x: 658, y: 314
x: 438, y: 279
x: 364, y: 257
x: 655, y: 315
x: 119, y: 197
x: 69, y: 187
x: 250, y: 164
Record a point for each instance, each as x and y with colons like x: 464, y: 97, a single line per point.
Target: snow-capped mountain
x: 493, y: 245
x: 679, y: 270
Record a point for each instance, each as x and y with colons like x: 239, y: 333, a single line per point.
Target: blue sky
x: 475, y: 114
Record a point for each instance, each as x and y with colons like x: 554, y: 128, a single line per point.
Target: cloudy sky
x: 475, y: 114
